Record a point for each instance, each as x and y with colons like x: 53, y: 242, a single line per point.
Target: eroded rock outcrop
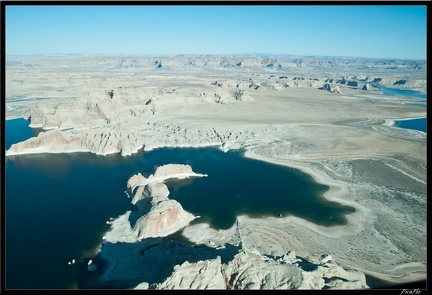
x: 331, y: 88
x: 161, y: 174
x: 205, y: 274
x: 101, y: 142
x: 52, y: 141
x: 164, y: 218
x: 204, y: 265
x: 367, y: 86
x: 251, y: 270
x: 160, y: 215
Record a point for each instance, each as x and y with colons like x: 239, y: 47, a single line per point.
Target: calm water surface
x: 416, y: 124
x: 57, y: 204
x: 403, y: 92
x: 17, y: 130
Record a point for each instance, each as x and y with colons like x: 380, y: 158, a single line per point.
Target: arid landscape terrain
x: 327, y: 117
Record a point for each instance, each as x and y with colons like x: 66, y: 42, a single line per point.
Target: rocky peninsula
x: 328, y: 118
x: 243, y: 267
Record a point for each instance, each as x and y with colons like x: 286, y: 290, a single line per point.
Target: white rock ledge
x: 157, y: 216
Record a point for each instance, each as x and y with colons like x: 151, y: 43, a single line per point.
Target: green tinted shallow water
x: 57, y: 204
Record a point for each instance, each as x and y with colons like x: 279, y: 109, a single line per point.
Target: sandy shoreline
x: 356, y: 222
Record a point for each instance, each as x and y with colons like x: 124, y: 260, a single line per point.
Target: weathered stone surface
x: 166, y: 171
x: 367, y: 86
x: 51, y: 141
x: 135, y: 181
x: 331, y: 88
x: 252, y: 270
x: 199, y: 275
x: 164, y: 218
x: 163, y: 173
x: 160, y: 216
x: 101, y: 142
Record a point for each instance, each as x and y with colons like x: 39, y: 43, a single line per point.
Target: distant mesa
x: 371, y: 86
x: 331, y: 88
x: 128, y: 63
x: 367, y: 86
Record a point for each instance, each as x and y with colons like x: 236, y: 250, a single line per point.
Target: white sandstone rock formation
x: 333, y: 276
x: 103, y: 141
x: 162, y: 173
x: 202, y: 233
x: 251, y: 270
x: 367, y: 86
x: 164, y: 218
x: 247, y: 269
x: 52, y: 141
x: 331, y: 88
x: 135, y: 181
x: 199, y: 275
x: 161, y: 216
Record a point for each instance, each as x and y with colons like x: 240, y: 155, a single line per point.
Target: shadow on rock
x: 144, y: 208
x: 152, y: 260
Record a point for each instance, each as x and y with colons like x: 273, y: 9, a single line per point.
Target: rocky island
x: 327, y: 117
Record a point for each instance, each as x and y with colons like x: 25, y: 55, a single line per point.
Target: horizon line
x: 252, y: 54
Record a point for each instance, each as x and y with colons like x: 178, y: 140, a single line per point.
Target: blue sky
x: 387, y: 31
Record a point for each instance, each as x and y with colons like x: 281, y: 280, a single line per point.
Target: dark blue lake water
x: 57, y: 204
x: 416, y: 124
x: 403, y: 92
x: 17, y: 130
